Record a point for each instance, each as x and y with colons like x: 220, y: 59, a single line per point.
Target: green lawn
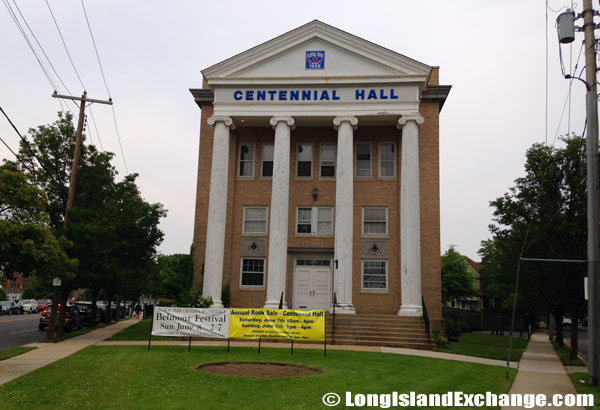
x: 580, y: 382
x: 139, y: 331
x: 75, y: 333
x: 14, y: 351
x: 563, y: 353
x: 487, y: 346
x: 123, y: 377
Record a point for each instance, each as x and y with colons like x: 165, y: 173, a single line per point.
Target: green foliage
x: 175, y: 278
x: 204, y: 302
x: 3, y: 295
x: 226, y: 296
x: 439, y: 339
x: 29, y: 293
x: 548, y: 207
x: 457, y: 280
x: 452, y: 328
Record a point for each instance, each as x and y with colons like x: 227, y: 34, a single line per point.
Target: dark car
x: 9, y: 307
x: 85, y: 309
x: 73, y: 319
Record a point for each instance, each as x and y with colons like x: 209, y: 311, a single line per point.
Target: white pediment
x: 347, y: 59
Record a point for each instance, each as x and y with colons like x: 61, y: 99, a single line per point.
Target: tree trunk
x: 62, y: 313
x: 559, y: 331
x: 108, y: 310
x: 574, y: 337
x: 118, y: 310
x: 94, y: 307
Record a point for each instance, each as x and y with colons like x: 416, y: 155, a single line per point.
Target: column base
x: 217, y: 305
x: 345, y: 310
x: 274, y: 305
x: 410, y: 311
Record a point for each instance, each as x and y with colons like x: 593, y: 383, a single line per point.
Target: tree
x: 176, y: 275
x: 542, y: 216
x: 3, y: 295
x: 27, y: 244
x: 457, y: 281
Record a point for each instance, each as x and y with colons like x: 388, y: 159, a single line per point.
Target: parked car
x: 566, y: 321
x: 72, y: 318
x: 9, y: 307
x: 43, y: 304
x: 30, y: 306
x: 85, y: 309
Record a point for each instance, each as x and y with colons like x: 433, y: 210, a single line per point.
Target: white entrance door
x: 312, y: 284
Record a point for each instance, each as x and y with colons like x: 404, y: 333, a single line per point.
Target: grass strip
x: 139, y: 331
x: 563, y: 353
x: 165, y: 378
x: 75, y: 333
x: 15, y: 351
x: 580, y: 383
x: 486, y: 346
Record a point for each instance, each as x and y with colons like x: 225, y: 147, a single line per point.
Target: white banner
x: 179, y: 321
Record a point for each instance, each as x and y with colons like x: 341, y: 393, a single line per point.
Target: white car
x: 30, y: 306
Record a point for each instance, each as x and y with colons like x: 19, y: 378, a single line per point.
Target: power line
x: 65, y: 45
x: 9, y: 148
x: 96, y: 127
x: 119, y: 138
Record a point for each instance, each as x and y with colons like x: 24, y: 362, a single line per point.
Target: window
x: 304, y: 160
x: 255, y: 220
x: 253, y: 272
x: 363, y: 161
x: 387, y: 161
x: 246, y: 161
x: 374, y: 275
x: 327, y: 168
x: 314, y: 220
x: 267, y: 161
x: 374, y: 221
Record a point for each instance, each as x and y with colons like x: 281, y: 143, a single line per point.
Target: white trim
x: 362, y: 275
x: 312, y: 159
x: 395, y: 149
x: 314, y: 221
x: 363, y: 178
x: 262, y: 159
x: 327, y: 178
x: 239, y: 160
x: 266, y: 208
x: 264, y: 273
x: 362, y: 224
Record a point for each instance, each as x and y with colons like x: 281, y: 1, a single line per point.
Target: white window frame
x: 370, y: 176
x: 264, y: 272
x: 362, y: 275
x: 314, y: 221
x: 262, y: 160
x: 379, y: 160
x: 266, y: 208
x: 387, y: 222
x: 240, y: 161
x: 312, y: 159
x: 321, y: 160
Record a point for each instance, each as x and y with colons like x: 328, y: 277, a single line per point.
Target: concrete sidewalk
x: 47, y: 353
x: 541, y: 372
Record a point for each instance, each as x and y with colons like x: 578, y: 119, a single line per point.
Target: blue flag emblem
x: 315, y: 60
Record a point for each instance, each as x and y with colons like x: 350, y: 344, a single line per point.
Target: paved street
x: 17, y: 330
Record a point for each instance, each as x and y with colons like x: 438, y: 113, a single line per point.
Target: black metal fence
x: 497, y: 323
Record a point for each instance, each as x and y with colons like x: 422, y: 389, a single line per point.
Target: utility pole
x: 83, y: 101
x: 566, y: 35
x: 591, y: 99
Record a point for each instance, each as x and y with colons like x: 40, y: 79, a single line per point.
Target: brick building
x: 318, y: 177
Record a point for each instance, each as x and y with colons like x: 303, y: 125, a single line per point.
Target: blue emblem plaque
x: 315, y: 60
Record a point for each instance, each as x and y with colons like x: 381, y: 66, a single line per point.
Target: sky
x: 492, y: 53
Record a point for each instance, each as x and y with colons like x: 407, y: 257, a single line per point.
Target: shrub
x: 451, y: 328
x: 165, y: 302
x: 3, y: 295
x: 204, y: 303
x: 225, y: 296
x: 439, y: 339
x: 464, y: 327
x: 28, y: 293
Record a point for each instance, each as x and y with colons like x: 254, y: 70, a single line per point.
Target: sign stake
x: 228, y: 344
x: 190, y: 344
x: 259, y: 339
x: 292, y: 346
x: 150, y: 336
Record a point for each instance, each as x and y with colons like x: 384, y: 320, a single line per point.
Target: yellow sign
x: 302, y: 325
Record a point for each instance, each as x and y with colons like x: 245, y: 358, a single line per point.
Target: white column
x: 278, y: 226
x: 344, y: 213
x: 217, y: 211
x: 410, y: 218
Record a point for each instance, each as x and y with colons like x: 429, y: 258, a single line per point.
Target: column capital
x: 220, y: 118
x: 337, y: 121
x: 288, y: 120
x: 416, y: 117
